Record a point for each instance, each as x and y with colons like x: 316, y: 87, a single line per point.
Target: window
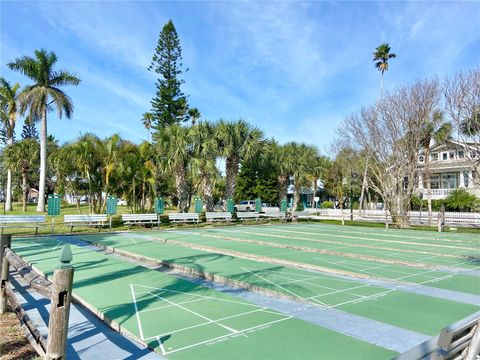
x: 421, y: 158
x: 405, y: 183
x: 449, y: 181
x: 434, y: 157
x: 451, y: 154
x: 435, y: 182
x: 461, y: 154
x: 444, y: 156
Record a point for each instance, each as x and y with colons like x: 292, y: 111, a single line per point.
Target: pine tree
x: 29, y: 130
x: 169, y: 106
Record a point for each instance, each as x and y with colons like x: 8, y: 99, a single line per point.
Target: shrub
x: 327, y: 205
x: 461, y: 200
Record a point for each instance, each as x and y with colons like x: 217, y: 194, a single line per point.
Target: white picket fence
x: 415, y: 217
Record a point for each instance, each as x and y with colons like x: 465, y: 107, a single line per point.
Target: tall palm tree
x: 205, y: 152
x: 381, y: 56
x: 194, y: 114
x: 9, y: 95
x: 302, y: 158
x: 317, y: 171
x: 174, y: 149
x: 147, y: 120
x: 283, y: 163
x: 439, y: 131
x: 238, y: 141
x: 42, y: 97
x: 22, y: 157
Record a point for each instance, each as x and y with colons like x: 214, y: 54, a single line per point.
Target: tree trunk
x: 207, y: 191
x: 182, y: 189
x: 231, y: 168
x: 43, y: 163
x: 364, y: 184
x: 296, y: 198
x: 24, y: 192
x: 426, y: 174
x: 8, y: 200
x: 282, y: 187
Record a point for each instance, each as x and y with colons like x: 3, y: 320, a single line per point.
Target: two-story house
x: 450, y: 168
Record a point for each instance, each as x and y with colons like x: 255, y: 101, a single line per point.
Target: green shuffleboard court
x: 409, y: 281
x: 183, y: 320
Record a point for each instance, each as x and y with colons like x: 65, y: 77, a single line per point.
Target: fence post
x: 5, y: 241
x: 60, y: 307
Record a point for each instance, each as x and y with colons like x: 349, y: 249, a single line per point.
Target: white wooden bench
x: 301, y: 215
x: 22, y: 221
x: 218, y: 216
x: 241, y: 216
x: 274, y: 215
x: 141, y: 219
x: 85, y: 220
x: 184, y: 218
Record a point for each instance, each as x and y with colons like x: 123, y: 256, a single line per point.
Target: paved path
x: 88, y: 337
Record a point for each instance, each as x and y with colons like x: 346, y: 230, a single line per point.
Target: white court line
x: 224, y: 336
x: 214, y: 322
x: 197, y: 314
x: 167, y: 306
x: 58, y: 243
x: 186, y: 293
x: 161, y: 345
x: 137, y: 313
x: 281, y: 287
x: 427, y: 235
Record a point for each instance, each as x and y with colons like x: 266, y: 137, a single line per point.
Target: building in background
x: 451, y: 167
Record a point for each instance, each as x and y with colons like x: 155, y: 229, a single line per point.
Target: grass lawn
x: 117, y: 224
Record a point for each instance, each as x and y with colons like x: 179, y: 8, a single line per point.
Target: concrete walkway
x: 88, y: 337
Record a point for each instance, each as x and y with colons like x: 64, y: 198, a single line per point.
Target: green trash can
x: 198, y: 205
x: 258, y: 205
x: 230, y: 205
x: 159, y: 206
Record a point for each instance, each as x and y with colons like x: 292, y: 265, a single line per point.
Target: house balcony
x: 439, y: 193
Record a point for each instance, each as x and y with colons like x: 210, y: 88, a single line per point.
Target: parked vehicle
x: 245, y: 205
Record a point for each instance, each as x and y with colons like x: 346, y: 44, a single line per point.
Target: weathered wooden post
x: 5, y: 241
x: 60, y: 307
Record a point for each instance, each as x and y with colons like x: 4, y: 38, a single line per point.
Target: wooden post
x: 60, y: 307
x: 5, y: 241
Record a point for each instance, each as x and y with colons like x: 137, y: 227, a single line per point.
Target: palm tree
x: 283, y: 164
x: 194, y: 114
x: 471, y: 126
x: 238, y: 141
x: 381, y: 56
x: 302, y: 158
x: 42, y: 97
x: 22, y: 157
x: 205, y: 152
x: 174, y: 149
x: 147, y: 120
x: 317, y: 171
x: 439, y: 131
x: 9, y: 95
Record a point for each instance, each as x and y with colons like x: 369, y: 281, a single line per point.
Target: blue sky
x: 294, y: 69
